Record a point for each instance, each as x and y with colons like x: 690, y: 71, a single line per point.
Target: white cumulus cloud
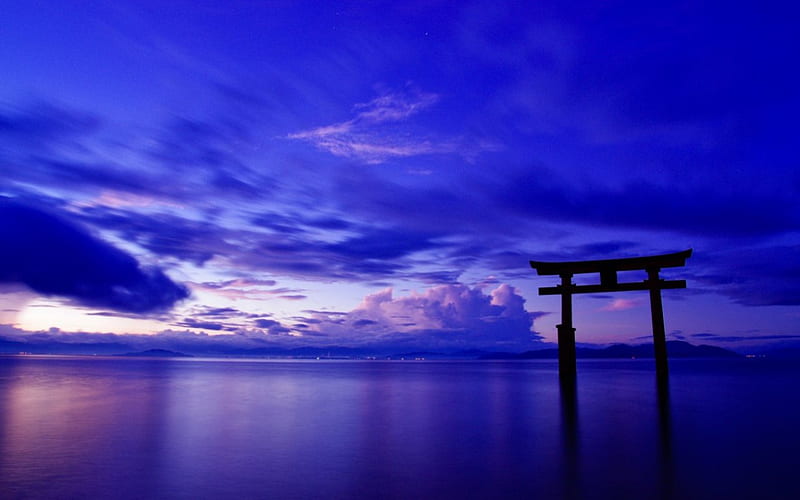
x: 444, y: 317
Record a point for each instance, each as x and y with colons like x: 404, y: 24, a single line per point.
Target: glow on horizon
x: 43, y: 314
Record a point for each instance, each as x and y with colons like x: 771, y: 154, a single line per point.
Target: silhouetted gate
x: 608, y: 283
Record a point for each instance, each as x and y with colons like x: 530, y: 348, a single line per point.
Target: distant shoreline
x: 676, y: 350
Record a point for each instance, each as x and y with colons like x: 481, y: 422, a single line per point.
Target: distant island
x: 675, y: 349
x: 156, y: 353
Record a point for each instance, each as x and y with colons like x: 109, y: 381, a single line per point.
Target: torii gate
x: 608, y: 283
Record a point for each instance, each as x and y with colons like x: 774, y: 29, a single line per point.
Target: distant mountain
x: 156, y: 353
x: 51, y: 347
x: 675, y: 349
x: 678, y: 349
x: 297, y: 352
x: 11, y: 346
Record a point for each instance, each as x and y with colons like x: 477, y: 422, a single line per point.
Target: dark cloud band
x: 56, y: 258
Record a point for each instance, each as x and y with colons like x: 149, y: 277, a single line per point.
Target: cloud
x: 705, y: 84
x: 695, y: 209
x: 197, y: 342
x: 755, y: 276
x: 443, y: 317
x: 293, y: 297
x: 218, y: 312
x: 382, y: 244
x: 367, y: 231
x: 202, y: 325
x: 248, y: 289
x: 446, y: 318
x: 464, y: 228
x: 42, y: 123
x: 308, y: 250
x: 741, y: 338
x: 677, y: 334
x: 55, y: 258
x: 162, y: 234
x: 621, y: 305
x: 207, y: 153
x: 228, y: 319
x: 599, y: 248
x: 271, y: 326
x: 372, y: 136
x: 46, y: 145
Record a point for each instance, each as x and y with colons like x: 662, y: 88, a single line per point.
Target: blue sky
x: 316, y: 174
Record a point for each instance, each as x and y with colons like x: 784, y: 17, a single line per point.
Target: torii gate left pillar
x: 567, y: 359
x: 608, y: 283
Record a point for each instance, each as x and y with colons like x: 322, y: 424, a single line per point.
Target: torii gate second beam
x: 608, y: 283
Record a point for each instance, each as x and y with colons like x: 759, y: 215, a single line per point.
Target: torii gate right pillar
x: 657, y: 314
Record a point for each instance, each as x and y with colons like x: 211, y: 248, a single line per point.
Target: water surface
x: 93, y: 427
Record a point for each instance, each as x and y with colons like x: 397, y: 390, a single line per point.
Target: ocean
x: 103, y: 427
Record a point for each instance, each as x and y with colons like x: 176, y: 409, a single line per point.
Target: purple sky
x: 318, y: 174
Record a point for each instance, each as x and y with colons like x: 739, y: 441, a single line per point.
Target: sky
x: 378, y: 175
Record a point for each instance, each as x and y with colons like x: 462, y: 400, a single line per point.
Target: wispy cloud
x: 373, y: 135
x: 249, y: 289
x: 621, y: 304
x: 713, y: 337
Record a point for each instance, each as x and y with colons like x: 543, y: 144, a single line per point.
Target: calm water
x: 137, y: 428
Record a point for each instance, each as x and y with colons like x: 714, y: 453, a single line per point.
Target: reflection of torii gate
x: 608, y: 283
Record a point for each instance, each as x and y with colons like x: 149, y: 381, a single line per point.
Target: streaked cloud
x: 621, y: 304
x: 375, y: 134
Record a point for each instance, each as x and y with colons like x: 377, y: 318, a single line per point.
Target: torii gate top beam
x: 677, y: 259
